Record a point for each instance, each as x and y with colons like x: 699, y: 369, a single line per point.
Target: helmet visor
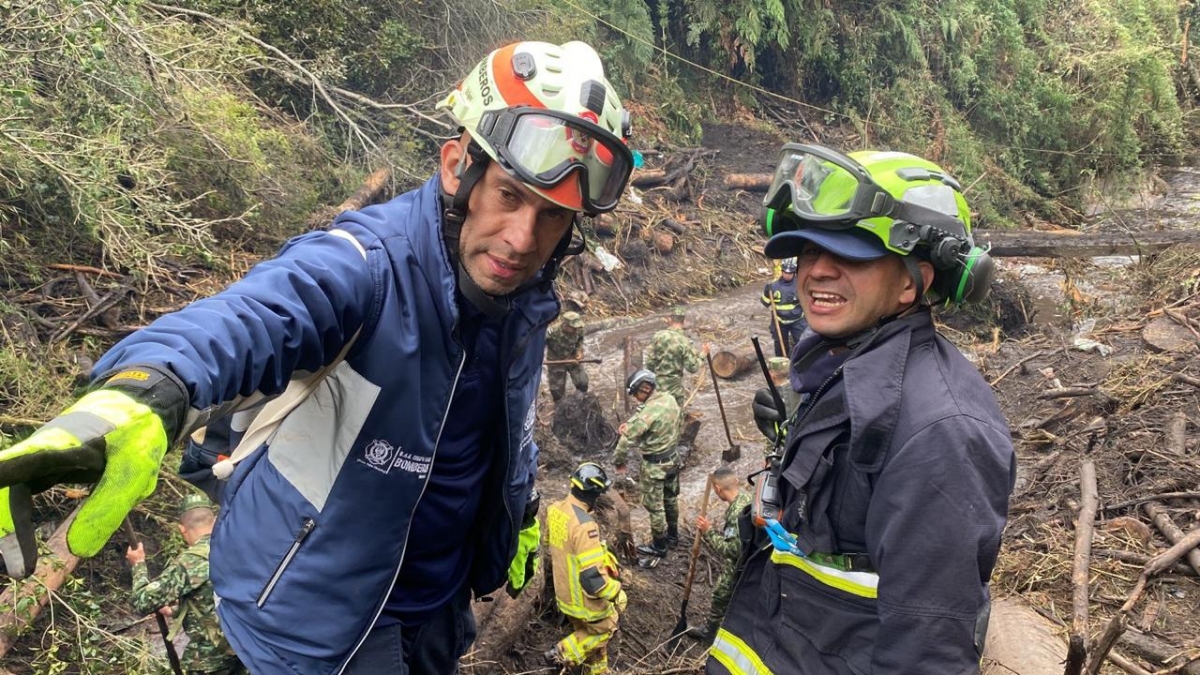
x: 546, y: 147
x: 825, y: 188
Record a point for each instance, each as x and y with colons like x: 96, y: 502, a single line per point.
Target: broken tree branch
x: 1116, y: 625
x: 1162, y: 520
x: 52, y: 570
x: 1078, y: 647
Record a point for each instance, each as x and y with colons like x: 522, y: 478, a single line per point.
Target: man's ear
x: 451, y: 158
x: 926, y: 274
x: 910, y: 295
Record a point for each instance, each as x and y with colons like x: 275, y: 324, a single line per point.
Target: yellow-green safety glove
x: 524, y: 564
x: 114, y: 437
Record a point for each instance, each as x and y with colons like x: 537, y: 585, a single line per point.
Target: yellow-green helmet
x: 870, y: 203
x: 546, y: 113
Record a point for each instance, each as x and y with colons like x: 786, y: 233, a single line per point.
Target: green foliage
x: 1031, y: 94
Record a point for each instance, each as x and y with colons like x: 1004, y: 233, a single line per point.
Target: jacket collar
x: 874, y: 382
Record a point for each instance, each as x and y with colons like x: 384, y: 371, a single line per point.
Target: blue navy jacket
x: 902, y: 463
x: 314, y: 525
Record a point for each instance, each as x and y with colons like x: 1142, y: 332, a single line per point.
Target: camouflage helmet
x: 678, y: 312
x: 573, y: 320
x: 196, y: 500
x: 778, y: 365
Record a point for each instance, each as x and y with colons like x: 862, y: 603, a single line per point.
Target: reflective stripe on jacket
x: 786, y: 300
x: 905, y: 458
x: 316, y: 522
x: 582, y: 583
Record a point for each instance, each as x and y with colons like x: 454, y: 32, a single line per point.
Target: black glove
x: 768, y: 417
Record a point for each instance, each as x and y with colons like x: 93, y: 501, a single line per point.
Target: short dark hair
x: 724, y: 475
x: 198, y: 517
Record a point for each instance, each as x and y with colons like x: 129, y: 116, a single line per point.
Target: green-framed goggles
x: 821, y: 187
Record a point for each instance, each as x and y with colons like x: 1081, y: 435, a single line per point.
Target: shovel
x: 681, y: 625
x: 734, y: 451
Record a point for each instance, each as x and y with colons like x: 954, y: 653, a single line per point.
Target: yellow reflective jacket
x: 582, y: 582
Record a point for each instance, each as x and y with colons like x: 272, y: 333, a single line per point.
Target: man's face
x: 510, y: 231
x: 842, y: 297
x: 787, y: 276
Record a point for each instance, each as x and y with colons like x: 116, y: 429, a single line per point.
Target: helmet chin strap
x: 454, y: 214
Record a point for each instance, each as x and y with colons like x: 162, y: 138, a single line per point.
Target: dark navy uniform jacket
x: 896, y: 480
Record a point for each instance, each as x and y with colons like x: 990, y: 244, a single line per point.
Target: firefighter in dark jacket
x: 894, y: 481
x: 787, y: 318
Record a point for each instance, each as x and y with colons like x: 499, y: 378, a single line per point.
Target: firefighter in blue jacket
x: 896, y: 470
x: 398, y: 489
x: 787, y: 317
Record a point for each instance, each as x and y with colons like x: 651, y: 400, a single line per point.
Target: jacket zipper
x: 305, y: 529
x: 446, y: 414
x: 462, y: 360
x: 809, y: 405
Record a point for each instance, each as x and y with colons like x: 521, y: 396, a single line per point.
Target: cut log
x: 1020, y: 640
x: 728, y: 365
x: 1077, y: 648
x: 52, y: 570
x: 649, y: 178
x: 1156, y: 651
x: 751, y: 182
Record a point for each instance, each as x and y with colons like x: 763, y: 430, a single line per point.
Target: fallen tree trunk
x: 1009, y: 243
x: 52, y: 570
x: 366, y: 195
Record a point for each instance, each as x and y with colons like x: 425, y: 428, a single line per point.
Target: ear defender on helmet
x: 773, y: 221
x: 964, y: 270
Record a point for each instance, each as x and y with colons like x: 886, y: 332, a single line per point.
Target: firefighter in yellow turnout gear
x: 585, y: 575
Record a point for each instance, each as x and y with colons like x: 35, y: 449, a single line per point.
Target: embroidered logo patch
x: 383, y: 457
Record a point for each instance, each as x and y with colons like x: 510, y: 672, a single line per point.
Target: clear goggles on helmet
x: 827, y: 189
x: 545, y: 147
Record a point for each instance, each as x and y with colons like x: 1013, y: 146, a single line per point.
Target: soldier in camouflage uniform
x: 725, y: 542
x: 185, y: 581
x: 653, y: 430
x: 670, y: 353
x: 564, y: 342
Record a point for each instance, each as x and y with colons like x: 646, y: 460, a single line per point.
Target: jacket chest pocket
x: 807, y: 489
